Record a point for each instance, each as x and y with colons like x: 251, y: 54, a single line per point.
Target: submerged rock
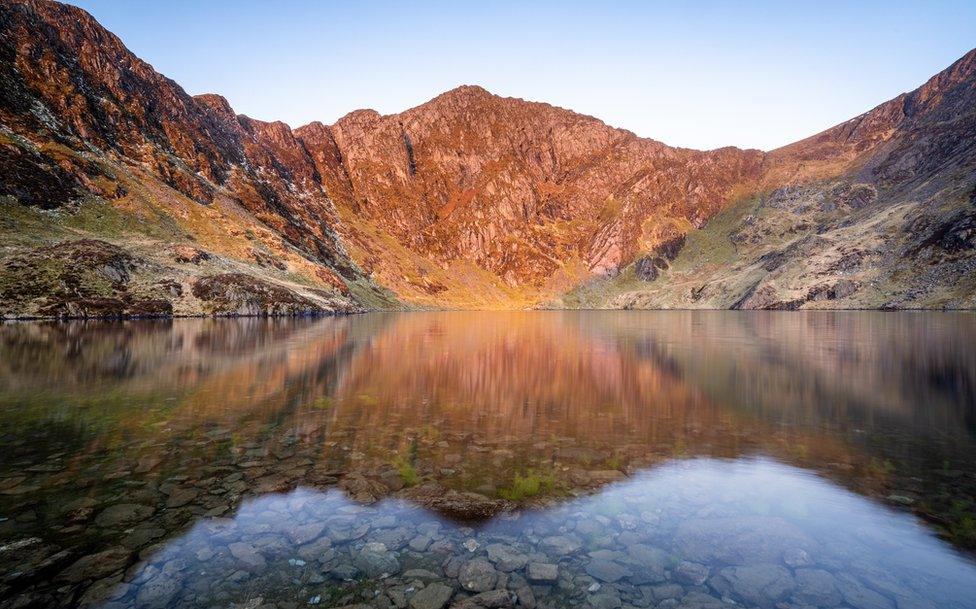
x: 477, y: 575
x: 455, y: 504
x: 97, y: 566
x: 762, y: 585
x: 542, y: 572
x: 432, y: 596
x: 607, y: 570
x: 506, y: 558
x: 123, y: 515
x: 739, y: 541
x: 376, y: 560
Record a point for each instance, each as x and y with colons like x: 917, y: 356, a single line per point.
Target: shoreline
x: 37, y: 318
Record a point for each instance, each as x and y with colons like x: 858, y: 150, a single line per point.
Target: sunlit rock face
x: 714, y: 447
x: 530, y: 193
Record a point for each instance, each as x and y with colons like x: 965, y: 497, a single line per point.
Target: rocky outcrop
x: 95, y: 279
x: 241, y: 294
x: 76, y: 279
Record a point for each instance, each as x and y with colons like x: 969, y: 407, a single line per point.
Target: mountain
x: 123, y: 195
x: 877, y: 212
x: 473, y: 198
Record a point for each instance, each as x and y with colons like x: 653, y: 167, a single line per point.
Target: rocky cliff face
x: 524, y: 191
x: 468, y: 200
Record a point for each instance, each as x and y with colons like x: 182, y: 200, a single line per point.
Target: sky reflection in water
x: 763, y: 531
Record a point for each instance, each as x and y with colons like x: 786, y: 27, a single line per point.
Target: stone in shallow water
x: 691, y: 573
x: 420, y: 543
x: 434, y: 596
x: 560, y: 545
x: 422, y: 574
x: 816, y: 587
x: 110, y: 588
x: 344, y: 571
x: 860, y: 596
x: 796, y: 557
x: 699, y: 600
x: 649, y: 564
x: 739, y: 541
x: 141, y: 535
x: 760, y: 585
x: 607, y: 570
x: 506, y: 558
x: 247, y: 556
x: 478, y: 575
x: 157, y: 592
x: 376, y: 560
x: 306, y: 533
x: 394, y: 539
x: 96, y: 566
x: 662, y: 592
x: 540, y: 572
x: 316, y: 550
x: 385, y: 522
x: 123, y: 515
x: 493, y: 599
x: 605, y: 599
x: 461, y: 505
x: 607, y: 555
x: 181, y: 497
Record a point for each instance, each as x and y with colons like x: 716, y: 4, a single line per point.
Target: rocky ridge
x: 471, y: 200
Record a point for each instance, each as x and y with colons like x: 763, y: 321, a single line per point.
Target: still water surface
x: 480, y: 460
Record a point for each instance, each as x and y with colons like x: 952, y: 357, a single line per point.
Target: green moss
x: 712, y: 243
x: 959, y: 520
x: 373, y: 296
x: 528, y: 485
x: 322, y: 403
x: 367, y: 399
x: 408, y: 473
x: 406, y: 465
x: 23, y: 225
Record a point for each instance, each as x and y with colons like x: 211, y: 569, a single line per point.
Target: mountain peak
x: 468, y: 91
x: 215, y: 103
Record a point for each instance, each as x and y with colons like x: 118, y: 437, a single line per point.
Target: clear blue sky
x: 702, y: 75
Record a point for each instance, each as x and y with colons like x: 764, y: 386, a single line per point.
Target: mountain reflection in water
x: 208, y: 462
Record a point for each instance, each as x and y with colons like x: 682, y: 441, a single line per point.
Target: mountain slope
x: 95, y: 143
x: 877, y: 212
x: 171, y: 203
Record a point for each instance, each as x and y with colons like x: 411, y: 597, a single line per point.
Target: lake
x: 484, y: 460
